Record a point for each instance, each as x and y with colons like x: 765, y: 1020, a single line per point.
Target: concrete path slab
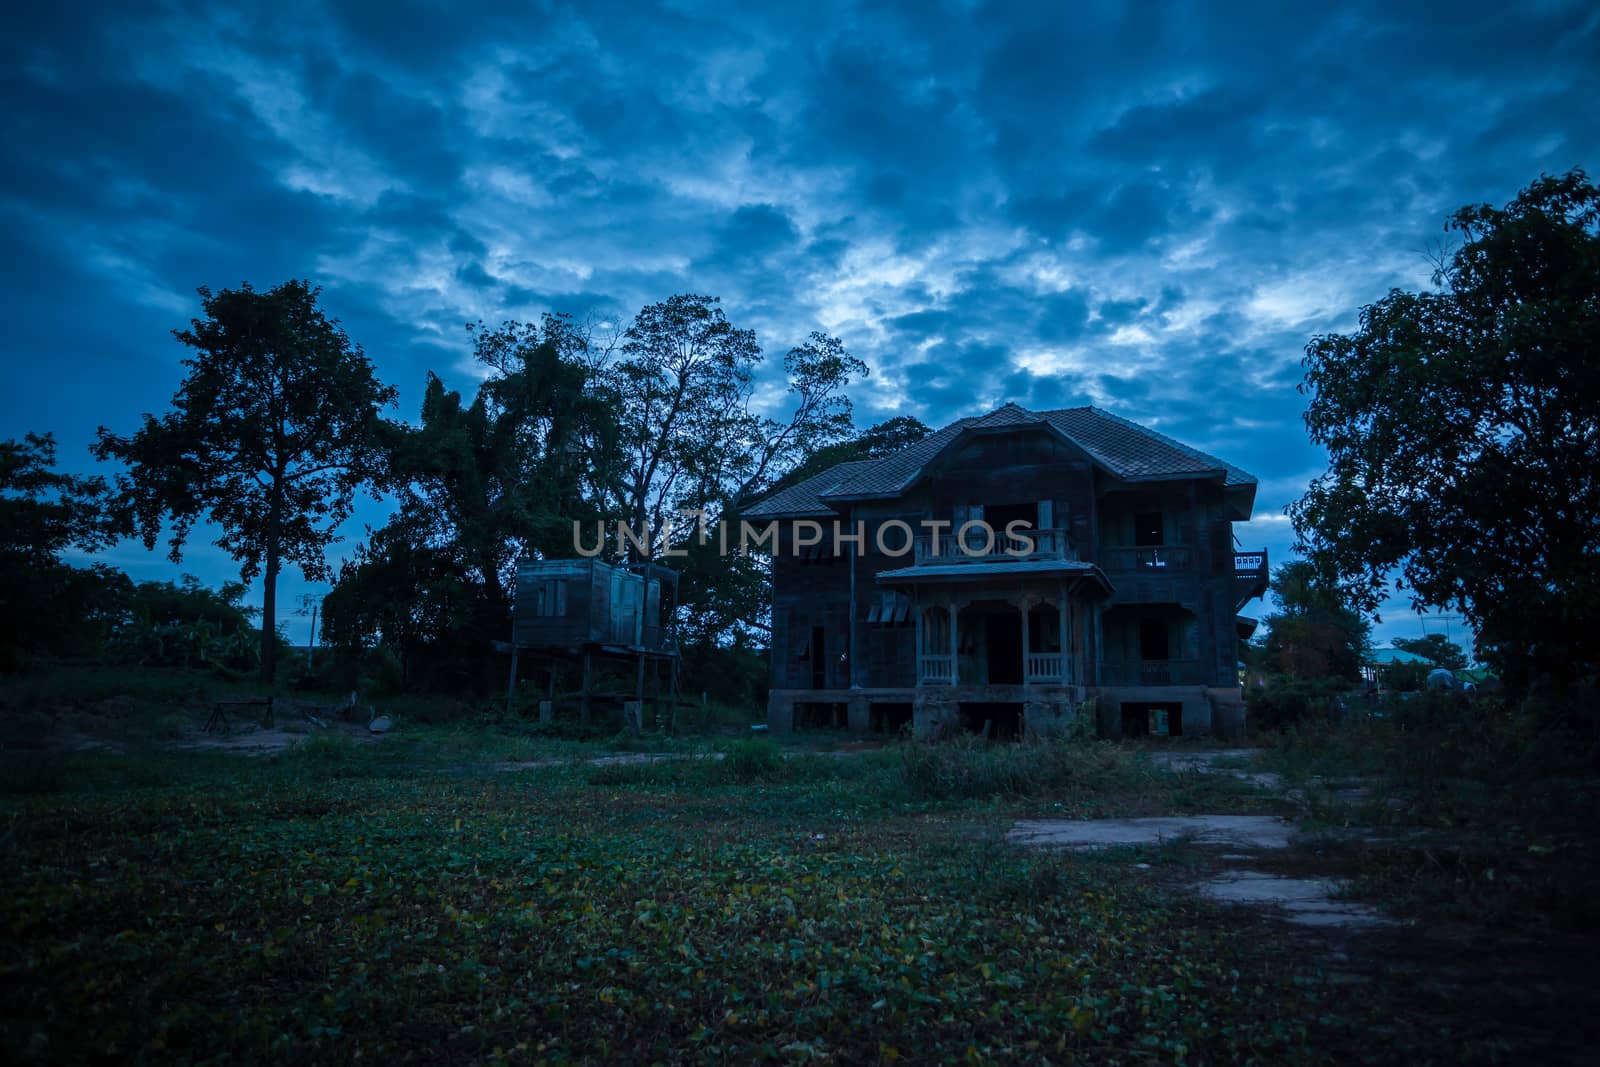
x: 1234, y: 831
x: 1303, y: 901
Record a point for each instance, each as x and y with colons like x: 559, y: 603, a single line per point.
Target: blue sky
x: 1146, y: 207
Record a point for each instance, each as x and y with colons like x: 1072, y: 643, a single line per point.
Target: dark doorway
x: 890, y: 718
x: 1153, y: 640
x: 819, y: 659
x: 1147, y: 719
x: 1147, y: 529
x: 1004, y: 634
x: 1000, y: 721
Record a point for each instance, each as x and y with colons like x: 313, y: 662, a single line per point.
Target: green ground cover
x: 339, y: 899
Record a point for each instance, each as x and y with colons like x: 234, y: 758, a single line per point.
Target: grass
x: 326, y: 902
x: 487, y: 890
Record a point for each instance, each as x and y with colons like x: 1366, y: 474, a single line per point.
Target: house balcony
x: 1250, y: 576
x: 1038, y: 667
x: 979, y: 547
x: 1157, y: 558
x: 1153, y: 672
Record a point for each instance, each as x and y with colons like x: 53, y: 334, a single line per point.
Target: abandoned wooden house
x: 1119, y: 582
x: 590, y: 612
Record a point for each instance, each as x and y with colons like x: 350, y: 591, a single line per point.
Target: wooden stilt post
x: 583, y: 707
x: 511, y: 684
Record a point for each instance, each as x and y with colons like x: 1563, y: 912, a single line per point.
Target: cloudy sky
x: 1146, y: 207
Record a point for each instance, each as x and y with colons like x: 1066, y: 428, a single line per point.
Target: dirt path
x: 1530, y: 996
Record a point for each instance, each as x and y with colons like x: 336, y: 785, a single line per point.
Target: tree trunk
x: 269, y: 594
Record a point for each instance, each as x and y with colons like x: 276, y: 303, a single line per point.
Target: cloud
x: 1150, y: 209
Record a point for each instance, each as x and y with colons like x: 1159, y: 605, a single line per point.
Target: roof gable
x: 1124, y: 449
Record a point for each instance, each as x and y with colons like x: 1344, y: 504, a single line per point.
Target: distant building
x: 1388, y: 657
x: 1121, y: 583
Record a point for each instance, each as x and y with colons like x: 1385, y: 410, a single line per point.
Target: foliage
x: 733, y: 673
x: 1315, y: 634
x: 184, y: 624
x: 1404, y: 677
x: 272, y: 432
x: 754, y: 760
x: 47, y: 607
x: 1436, y: 649
x: 1285, y: 701
x: 321, y: 904
x: 682, y: 391
x: 1463, y: 431
x: 42, y: 511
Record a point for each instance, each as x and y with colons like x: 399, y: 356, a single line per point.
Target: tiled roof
x: 976, y: 571
x: 1125, y: 449
x: 804, y: 498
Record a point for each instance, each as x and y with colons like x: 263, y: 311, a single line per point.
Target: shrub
x: 1285, y: 701
x: 968, y: 767
x: 755, y: 760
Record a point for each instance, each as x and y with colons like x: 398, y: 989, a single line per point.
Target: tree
x: 275, y: 428
x: 1436, y: 649
x: 1463, y: 433
x: 481, y: 485
x: 42, y: 512
x: 1315, y: 634
x: 45, y: 605
x: 681, y: 391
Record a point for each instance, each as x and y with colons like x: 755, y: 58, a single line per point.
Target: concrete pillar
x: 780, y: 712
x: 859, y: 712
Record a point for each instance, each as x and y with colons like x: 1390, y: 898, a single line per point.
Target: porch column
x: 1068, y: 675
x: 916, y: 661
x: 1027, y: 609
x: 955, y: 642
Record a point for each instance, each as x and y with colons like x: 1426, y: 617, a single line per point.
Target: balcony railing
x: 1146, y: 557
x: 1250, y: 562
x: 1046, y: 666
x: 1153, y: 672
x: 978, y: 547
x: 935, y: 670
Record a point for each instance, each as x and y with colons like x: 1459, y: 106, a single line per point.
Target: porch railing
x: 1152, y: 672
x: 1146, y: 557
x: 977, y: 547
x: 1045, y: 666
x: 935, y: 670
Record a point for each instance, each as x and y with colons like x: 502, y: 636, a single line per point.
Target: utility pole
x: 310, y: 602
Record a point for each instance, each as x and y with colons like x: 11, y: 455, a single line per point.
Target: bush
x: 1283, y: 701
x: 969, y: 767
x: 757, y: 760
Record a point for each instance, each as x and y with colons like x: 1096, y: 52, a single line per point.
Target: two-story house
x: 1003, y: 571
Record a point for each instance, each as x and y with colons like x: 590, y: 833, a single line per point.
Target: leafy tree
x: 481, y: 484
x: 681, y: 391
x: 42, y: 511
x: 275, y: 428
x: 414, y: 599
x: 1463, y: 432
x: 185, y: 624
x: 45, y: 605
x: 1436, y: 649
x: 1315, y: 634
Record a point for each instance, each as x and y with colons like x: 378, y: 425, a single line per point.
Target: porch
x: 988, y: 640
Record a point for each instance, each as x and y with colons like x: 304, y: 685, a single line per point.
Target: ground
x: 477, y: 892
